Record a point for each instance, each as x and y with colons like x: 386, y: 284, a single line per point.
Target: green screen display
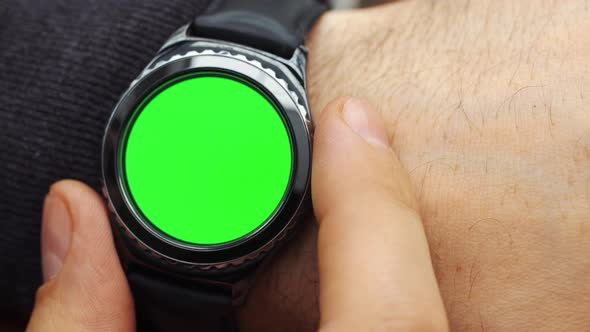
x: 208, y: 159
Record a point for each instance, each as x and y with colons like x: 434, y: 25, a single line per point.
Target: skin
x: 86, y: 289
x: 485, y: 104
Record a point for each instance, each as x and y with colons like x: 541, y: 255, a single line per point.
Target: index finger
x: 375, y: 267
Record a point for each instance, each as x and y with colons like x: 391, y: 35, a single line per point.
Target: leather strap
x: 275, y: 26
x: 163, y: 304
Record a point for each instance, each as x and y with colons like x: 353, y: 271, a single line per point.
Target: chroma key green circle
x: 208, y: 159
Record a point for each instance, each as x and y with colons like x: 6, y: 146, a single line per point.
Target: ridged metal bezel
x: 236, y: 55
x: 174, y: 62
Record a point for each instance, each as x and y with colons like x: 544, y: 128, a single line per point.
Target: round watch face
x: 207, y: 159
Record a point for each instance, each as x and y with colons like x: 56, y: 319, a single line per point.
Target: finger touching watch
x: 206, y: 160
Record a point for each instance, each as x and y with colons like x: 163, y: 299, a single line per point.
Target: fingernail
x: 56, y: 233
x: 366, y: 122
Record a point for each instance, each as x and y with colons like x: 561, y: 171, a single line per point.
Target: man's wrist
x: 485, y: 104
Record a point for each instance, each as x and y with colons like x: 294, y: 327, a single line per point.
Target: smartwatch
x: 206, y: 161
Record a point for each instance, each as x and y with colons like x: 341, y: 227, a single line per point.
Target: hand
x: 85, y: 288
x: 374, y: 263
x: 375, y: 266
x: 487, y: 105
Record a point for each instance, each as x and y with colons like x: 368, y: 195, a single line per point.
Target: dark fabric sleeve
x: 63, y: 66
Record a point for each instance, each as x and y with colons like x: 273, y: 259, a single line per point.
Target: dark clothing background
x: 63, y: 66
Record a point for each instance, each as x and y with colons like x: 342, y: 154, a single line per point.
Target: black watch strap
x: 275, y: 26
x: 162, y: 304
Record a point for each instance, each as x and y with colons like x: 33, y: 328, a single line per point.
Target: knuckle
x: 411, y: 318
x: 416, y: 322
x: 45, y: 293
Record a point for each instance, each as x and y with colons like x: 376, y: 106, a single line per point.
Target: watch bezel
x: 123, y: 114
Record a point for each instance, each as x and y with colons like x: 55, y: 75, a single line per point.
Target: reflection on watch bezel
x: 274, y: 228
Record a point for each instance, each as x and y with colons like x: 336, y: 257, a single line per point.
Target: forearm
x: 479, y: 97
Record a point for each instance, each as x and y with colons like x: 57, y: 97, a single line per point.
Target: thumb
x: 85, y: 288
x: 375, y: 267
